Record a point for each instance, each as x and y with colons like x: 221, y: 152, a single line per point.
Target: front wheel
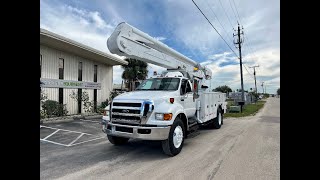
x: 117, y: 140
x: 173, y: 145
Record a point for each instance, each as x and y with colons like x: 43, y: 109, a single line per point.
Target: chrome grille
x: 131, y: 112
x: 127, y: 104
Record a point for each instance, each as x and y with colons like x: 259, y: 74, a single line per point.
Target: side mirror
x: 182, y: 91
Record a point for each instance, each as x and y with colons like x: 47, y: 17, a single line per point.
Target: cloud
x: 268, y: 70
x: 180, y: 24
x: 86, y: 27
x: 117, y: 74
x: 160, y: 38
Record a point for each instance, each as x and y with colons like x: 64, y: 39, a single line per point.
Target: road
x: 244, y: 148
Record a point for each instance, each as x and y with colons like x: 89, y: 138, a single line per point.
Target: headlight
x: 166, y: 116
x: 159, y: 116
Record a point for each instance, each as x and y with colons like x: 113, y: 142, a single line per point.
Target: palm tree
x: 135, y: 70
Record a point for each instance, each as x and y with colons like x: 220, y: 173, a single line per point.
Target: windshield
x: 166, y: 84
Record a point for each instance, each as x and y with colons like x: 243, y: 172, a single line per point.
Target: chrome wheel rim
x: 177, y: 136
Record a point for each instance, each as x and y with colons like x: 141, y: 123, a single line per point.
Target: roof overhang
x: 67, y: 45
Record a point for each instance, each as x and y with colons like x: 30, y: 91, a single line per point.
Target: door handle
x: 182, y: 99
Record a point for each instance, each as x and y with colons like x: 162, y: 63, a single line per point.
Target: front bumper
x: 137, y: 132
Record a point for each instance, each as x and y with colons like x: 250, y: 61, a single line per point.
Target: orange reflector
x: 167, y: 116
x: 171, y: 100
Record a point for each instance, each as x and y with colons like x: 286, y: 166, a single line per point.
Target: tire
x: 173, y: 145
x: 222, y: 117
x: 218, y: 121
x: 117, y: 140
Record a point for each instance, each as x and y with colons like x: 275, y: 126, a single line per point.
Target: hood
x: 152, y: 95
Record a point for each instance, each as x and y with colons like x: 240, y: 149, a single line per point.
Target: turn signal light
x: 171, y: 100
x: 167, y: 116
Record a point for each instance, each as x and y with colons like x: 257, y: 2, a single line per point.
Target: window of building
x: 61, y: 74
x: 79, y: 90
x: 80, y: 71
x: 61, y: 68
x: 95, y: 79
x: 95, y: 76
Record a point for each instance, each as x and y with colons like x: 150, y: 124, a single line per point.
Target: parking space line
x: 66, y: 130
x: 54, y: 142
x: 87, y: 141
x: 73, y: 142
x: 51, y: 134
x: 76, y: 139
x: 98, y: 122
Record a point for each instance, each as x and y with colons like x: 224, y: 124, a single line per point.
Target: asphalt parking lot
x: 71, y: 134
x: 71, y: 146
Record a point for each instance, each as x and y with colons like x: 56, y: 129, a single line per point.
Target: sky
x: 181, y: 26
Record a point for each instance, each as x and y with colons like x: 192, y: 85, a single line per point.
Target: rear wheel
x: 217, y: 122
x: 117, y: 140
x: 173, y: 145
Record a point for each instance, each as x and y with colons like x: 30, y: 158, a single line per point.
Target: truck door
x: 187, y: 98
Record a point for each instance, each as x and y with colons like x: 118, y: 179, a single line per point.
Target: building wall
x: 50, y: 69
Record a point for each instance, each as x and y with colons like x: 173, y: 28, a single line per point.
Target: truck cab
x: 149, y: 111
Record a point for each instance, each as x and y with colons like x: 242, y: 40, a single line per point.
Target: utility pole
x: 238, y: 42
x: 254, y: 73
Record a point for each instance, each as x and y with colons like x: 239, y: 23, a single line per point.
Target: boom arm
x: 128, y: 41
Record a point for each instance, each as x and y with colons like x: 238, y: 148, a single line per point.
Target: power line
x: 226, y: 13
x: 248, y: 71
x: 218, y: 20
x: 246, y: 39
x: 215, y: 29
x: 250, y: 46
x: 233, y: 10
x: 236, y: 11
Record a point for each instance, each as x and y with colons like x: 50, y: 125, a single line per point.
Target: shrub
x: 113, y: 94
x: 43, y: 98
x: 103, y: 105
x: 52, y: 108
x: 87, y: 105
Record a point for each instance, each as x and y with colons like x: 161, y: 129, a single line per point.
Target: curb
x: 52, y: 121
x: 68, y: 119
x: 93, y: 117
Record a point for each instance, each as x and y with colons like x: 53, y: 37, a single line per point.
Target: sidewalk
x: 70, y: 118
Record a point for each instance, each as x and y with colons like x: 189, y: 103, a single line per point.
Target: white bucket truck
x: 167, y: 107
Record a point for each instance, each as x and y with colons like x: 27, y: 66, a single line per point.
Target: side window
x: 188, y: 87
x: 183, y: 87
